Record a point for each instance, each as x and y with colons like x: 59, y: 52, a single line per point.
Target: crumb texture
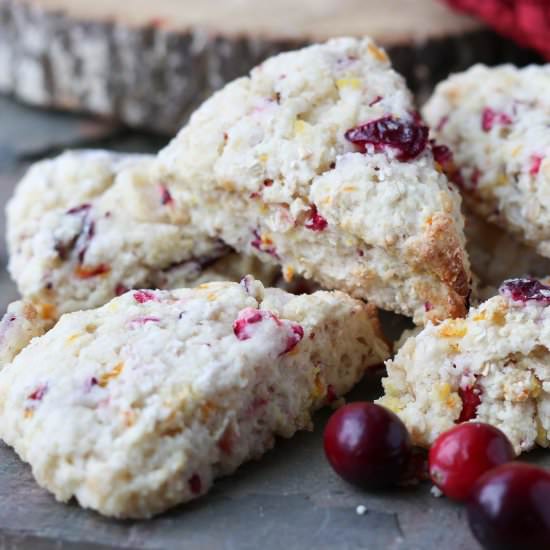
x: 491, y: 367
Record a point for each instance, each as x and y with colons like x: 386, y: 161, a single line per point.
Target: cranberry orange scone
x: 137, y: 406
x: 89, y: 225
x: 318, y: 162
x: 493, y: 366
x: 495, y: 120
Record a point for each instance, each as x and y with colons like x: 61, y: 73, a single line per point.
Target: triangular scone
x: 277, y: 164
x: 495, y: 121
x: 88, y: 225
x: 139, y: 405
x: 493, y: 366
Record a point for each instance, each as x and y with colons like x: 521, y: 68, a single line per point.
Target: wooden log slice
x: 149, y: 63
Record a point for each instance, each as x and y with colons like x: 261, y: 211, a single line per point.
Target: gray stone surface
x: 291, y: 499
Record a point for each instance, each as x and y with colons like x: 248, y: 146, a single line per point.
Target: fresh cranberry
x: 139, y: 321
x: 315, y: 221
x: 508, y: 508
x: 489, y: 118
x: 409, y: 138
x: 525, y: 290
x: 471, y: 398
x: 367, y: 445
x: 464, y: 453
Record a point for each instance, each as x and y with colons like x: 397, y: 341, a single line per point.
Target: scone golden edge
x: 318, y: 162
x: 139, y: 405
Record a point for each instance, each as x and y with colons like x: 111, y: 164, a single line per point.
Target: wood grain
x: 151, y: 64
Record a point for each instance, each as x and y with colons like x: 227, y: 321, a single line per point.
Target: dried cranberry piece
x: 165, y: 196
x: 409, y: 138
x: 294, y: 338
x: 536, y: 161
x: 247, y: 317
x: 524, y: 290
x: 331, y: 394
x: 263, y: 246
x: 38, y: 393
x: 195, y: 484
x: 315, y: 221
x: 250, y: 316
x: 376, y: 100
x: 120, y: 289
x: 142, y: 296
x: 79, y: 209
x: 442, y: 122
x: 87, y: 234
x: 144, y: 320
x: 489, y: 118
x: 444, y: 157
x: 471, y: 398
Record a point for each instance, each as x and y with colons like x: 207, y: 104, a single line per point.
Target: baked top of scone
x: 137, y: 406
x: 495, y: 120
x: 89, y: 225
x: 493, y: 366
x: 318, y: 162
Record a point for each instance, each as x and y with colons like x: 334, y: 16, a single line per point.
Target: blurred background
x: 126, y: 75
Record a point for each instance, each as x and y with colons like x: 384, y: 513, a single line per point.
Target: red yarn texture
x: 525, y: 21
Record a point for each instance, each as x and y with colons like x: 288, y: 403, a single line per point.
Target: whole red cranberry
x: 464, y: 453
x: 367, y: 445
x: 508, y: 508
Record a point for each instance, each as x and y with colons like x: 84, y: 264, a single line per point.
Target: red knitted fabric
x: 525, y: 21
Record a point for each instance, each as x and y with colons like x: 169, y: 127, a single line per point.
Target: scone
x: 137, y: 406
x: 495, y: 121
x: 318, y: 162
x: 493, y: 366
x: 89, y: 225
